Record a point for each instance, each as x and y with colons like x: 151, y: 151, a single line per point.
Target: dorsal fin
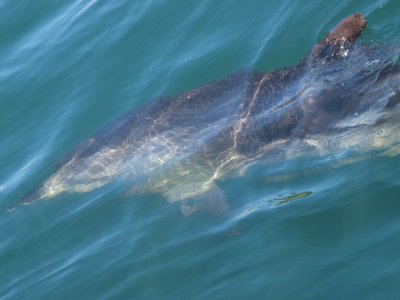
x: 349, y: 29
x: 341, y: 37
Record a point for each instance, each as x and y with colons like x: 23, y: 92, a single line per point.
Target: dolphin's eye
x: 379, y: 132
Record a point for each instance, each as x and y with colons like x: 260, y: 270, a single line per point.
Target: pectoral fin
x: 212, y: 201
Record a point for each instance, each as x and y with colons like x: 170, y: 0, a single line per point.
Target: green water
x: 69, y: 68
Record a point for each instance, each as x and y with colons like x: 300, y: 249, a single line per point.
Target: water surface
x: 308, y: 229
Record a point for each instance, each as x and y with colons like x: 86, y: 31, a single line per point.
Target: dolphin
x: 342, y: 96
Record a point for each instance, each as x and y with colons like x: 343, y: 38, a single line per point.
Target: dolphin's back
x: 199, y: 108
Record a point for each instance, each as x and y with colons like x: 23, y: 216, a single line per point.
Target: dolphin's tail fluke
x: 28, y: 199
x: 32, y: 196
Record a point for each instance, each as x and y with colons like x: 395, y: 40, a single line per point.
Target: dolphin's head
x: 344, y: 82
x: 356, y: 97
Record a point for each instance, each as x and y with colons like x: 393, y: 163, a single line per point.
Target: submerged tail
x: 28, y: 199
x: 32, y: 196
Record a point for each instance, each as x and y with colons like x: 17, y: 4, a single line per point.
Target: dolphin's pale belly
x: 175, y: 164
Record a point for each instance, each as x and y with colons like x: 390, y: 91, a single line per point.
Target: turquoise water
x: 309, y: 230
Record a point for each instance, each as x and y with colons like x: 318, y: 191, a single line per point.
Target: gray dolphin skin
x: 342, y: 96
